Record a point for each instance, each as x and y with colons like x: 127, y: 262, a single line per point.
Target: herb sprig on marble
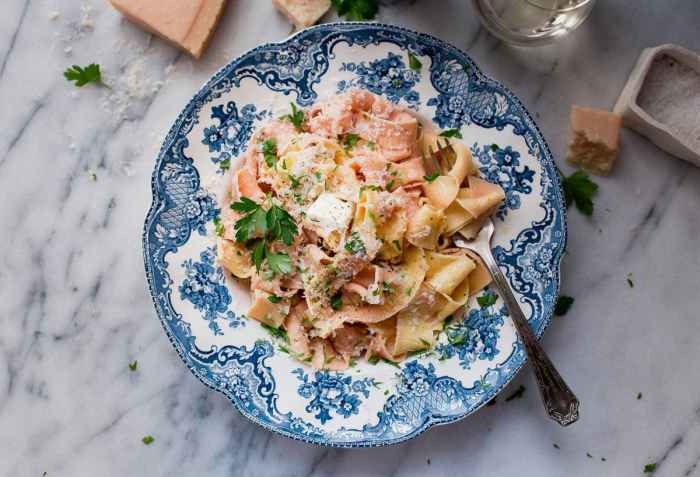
x: 85, y: 75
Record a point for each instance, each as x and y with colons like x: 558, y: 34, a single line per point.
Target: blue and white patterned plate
x: 202, y: 309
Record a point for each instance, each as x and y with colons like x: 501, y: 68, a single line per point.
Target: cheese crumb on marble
x: 303, y: 13
x: 594, y: 140
x: 188, y: 24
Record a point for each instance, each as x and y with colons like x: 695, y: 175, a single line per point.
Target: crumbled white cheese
x: 329, y: 216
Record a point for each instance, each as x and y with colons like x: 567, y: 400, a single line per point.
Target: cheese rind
x: 303, y: 13
x: 594, y: 139
x: 188, y: 24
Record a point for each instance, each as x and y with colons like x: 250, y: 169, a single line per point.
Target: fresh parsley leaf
x: 133, y: 366
x: 374, y: 359
x: 485, y: 301
x: 337, y: 302
x: 350, y: 140
x: 354, y: 244
x: 649, y: 468
x: 259, y: 253
x: 275, y: 332
x: 414, y: 63
x: 218, y: 227
x: 318, y: 175
x: 389, y: 185
x: 494, y: 147
x: 431, y: 177
x: 579, y: 189
x: 274, y: 299
x: 296, y: 117
x: 563, y: 304
x: 281, y: 225
x: 225, y: 164
x: 279, y: 263
x: 82, y: 76
x: 452, y: 133
x: 148, y: 440
x: 269, y: 150
x: 251, y: 225
x: 245, y: 205
x: 356, y: 10
x: 517, y: 394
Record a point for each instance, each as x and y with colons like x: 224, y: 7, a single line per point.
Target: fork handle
x: 559, y: 401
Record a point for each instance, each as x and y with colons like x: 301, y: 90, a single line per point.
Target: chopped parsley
x: 350, y: 140
x: 133, y: 365
x: 355, y: 245
x: 452, y: 133
x: 588, y: 454
x: 269, y: 150
x: 296, y: 117
x: 225, y: 164
x: 390, y: 184
x: 374, y: 359
x: 425, y: 343
x: 397, y: 244
x: 629, y: 280
x: 579, y: 190
x: 649, y: 468
x: 295, y: 181
x: 494, y: 147
x: 148, y: 440
x: 414, y: 63
x: 556, y: 446
x: 318, y: 175
x: 371, y: 145
x: 393, y: 363
x: 337, y: 302
x: 431, y: 177
x: 275, y: 332
x: 218, y: 227
x: 485, y: 301
x: 639, y: 396
x: 517, y: 394
x: 82, y: 76
x: 387, y: 288
x: 355, y: 10
x: 274, y: 299
x: 563, y: 304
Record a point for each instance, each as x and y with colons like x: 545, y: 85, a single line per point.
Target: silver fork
x: 559, y: 401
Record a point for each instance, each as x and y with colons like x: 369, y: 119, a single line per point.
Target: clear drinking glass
x: 532, y: 22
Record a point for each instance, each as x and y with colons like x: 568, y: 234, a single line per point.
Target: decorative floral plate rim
x: 169, y: 317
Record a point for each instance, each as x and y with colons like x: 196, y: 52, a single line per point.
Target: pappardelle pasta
x: 344, y: 239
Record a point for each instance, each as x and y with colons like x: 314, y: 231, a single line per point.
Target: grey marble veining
x: 74, y: 311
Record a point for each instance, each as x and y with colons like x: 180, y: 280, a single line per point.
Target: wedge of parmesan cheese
x: 594, y: 139
x: 303, y: 13
x: 187, y: 23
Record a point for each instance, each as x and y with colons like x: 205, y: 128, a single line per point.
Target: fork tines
x: 440, y: 160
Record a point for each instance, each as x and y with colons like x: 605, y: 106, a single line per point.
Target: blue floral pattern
x: 245, y: 368
x: 231, y: 131
x: 204, y: 286
x: 475, y: 337
x: 387, y: 76
x: 502, y: 166
x: 332, y: 391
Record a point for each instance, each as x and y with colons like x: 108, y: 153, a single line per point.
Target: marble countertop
x: 75, y: 167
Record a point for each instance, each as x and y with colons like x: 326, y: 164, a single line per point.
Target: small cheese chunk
x: 186, y: 23
x: 329, y: 217
x: 303, y: 13
x: 594, y: 141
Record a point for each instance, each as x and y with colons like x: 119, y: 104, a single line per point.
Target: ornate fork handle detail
x: 560, y: 402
